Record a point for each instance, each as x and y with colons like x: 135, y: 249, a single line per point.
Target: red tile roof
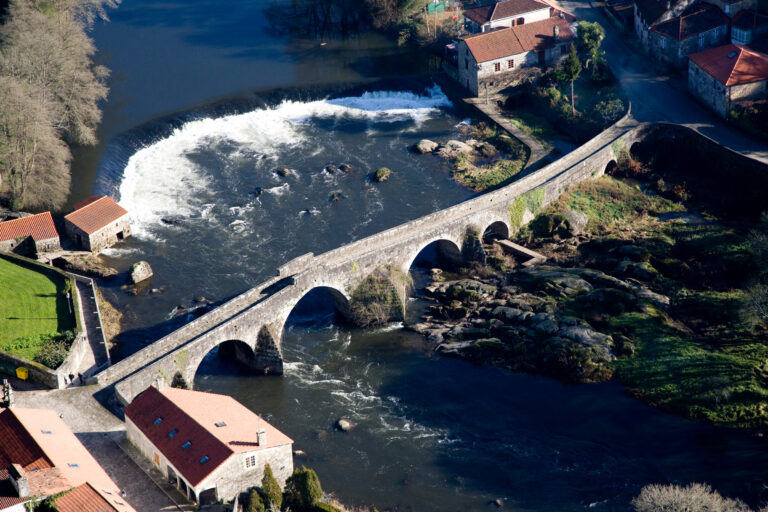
x: 95, y: 214
x: 59, y: 460
x: 653, y: 11
x: 194, y: 415
x: 86, y: 202
x: 733, y: 64
x: 82, y: 498
x: 506, y: 42
x: 39, y: 227
x: 696, y: 19
x: 9, y: 501
x: 501, y: 10
x: 749, y: 20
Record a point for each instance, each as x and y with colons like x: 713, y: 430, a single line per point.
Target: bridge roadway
x: 254, y: 320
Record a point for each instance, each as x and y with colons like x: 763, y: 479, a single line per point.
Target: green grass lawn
x: 534, y: 125
x: 31, y: 303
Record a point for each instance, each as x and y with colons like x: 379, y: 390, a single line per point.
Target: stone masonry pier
x: 253, y: 322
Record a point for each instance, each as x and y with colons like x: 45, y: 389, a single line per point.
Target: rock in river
x: 140, y: 271
x: 344, y: 424
x: 425, y: 146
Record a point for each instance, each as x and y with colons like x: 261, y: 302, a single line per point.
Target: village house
x: 720, y: 77
x: 506, y: 14
x: 210, y: 446
x: 650, y: 12
x: 749, y: 26
x: 97, y: 223
x: 41, y: 457
x: 29, y: 235
x: 701, y: 26
x: 734, y: 7
x: 489, y: 61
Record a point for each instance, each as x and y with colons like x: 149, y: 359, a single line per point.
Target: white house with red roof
x: 508, y: 13
x: 97, y: 223
x: 210, y: 445
x: 494, y: 59
x: 39, y: 228
x: 722, y: 76
x: 41, y: 457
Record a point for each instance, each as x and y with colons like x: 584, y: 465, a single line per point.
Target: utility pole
x: 486, y: 93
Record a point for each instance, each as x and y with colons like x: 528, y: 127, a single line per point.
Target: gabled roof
x: 515, y: 40
x: 194, y: 416
x: 696, y: 19
x: 500, y: 10
x: 39, y: 227
x: 60, y: 461
x: 749, y: 20
x: 95, y: 213
x: 653, y: 11
x: 83, y: 497
x: 733, y: 64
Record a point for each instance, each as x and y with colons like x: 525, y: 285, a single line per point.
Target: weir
x: 251, y: 325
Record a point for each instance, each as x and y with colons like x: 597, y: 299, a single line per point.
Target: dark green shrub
x: 179, y: 381
x: 255, y: 504
x: 302, y: 490
x: 55, y: 350
x: 273, y: 496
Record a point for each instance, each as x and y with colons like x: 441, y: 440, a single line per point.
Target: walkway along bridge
x: 253, y: 322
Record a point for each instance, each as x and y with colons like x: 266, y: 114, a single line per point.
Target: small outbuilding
x: 210, y: 446
x: 722, y: 76
x: 28, y: 235
x: 97, y: 223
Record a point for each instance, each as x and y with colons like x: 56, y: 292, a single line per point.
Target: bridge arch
x: 610, y: 167
x: 498, y: 230
x: 229, y: 350
x: 446, y: 250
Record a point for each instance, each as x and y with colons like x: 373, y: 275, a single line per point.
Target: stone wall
x: 675, y: 53
x: 707, y: 89
x: 108, y: 235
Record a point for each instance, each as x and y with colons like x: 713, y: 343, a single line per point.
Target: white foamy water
x: 164, y: 179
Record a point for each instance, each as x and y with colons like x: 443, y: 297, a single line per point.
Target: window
x: 221, y: 424
x: 158, y: 421
x: 740, y: 36
x: 186, y: 445
x: 520, y: 21
x: 497, y: 67
x: 701, y: 41
x: 204, y: 460
x: 663, y: 42
x: 73, y: 464
x: 466, y: 63
x: 48, y: 432
x: 563, y: 50
x: 250, y: 461
x: 173, y: 433
x: 511, y: 63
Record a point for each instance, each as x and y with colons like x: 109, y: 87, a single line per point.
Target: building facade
x: 700, y: 27
x: 721, y: 77
x: 210, y: 446
x: 508, y: 13
x: 491, y: 60
x: 749, y: 26
x: 97, y: 223
x: 34, y: 233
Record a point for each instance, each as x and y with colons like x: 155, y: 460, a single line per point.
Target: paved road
x: 92, y: 329
x: 653, y: 97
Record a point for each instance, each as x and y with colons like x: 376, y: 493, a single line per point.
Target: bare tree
x: 694, y: 497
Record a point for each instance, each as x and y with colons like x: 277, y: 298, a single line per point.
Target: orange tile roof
x: 70, y: 464
x: 86, y: 202
x: 733, y: 64
x: 96, y: 214
x: 501, y: 10
x: 194, y: 415
x: 82, y: 498
x: 39, y: 227
x: 17, y: 446
x: 696, y: 19
x: 506, y: 42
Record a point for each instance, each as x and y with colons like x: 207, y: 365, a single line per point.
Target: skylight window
x: 731, y: 55
x: 158, y: 421
x: 186, y: 445
x: 221, y: 424
x: 47, y: 432
x: 204, y: 460
x: 73, y: 464
x: 173, y: 433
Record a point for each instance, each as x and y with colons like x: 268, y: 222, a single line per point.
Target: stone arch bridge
x: 250, y: 326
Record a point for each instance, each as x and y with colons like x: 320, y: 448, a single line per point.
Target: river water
x: 213, y: 218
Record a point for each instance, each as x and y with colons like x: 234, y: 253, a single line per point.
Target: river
x: 190, y: 151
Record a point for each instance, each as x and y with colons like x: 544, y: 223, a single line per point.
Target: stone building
x: 700, y: 27
x: 29, y: 235
x: 494, y: 59
x: 734, y: 7
x: 210, y: 445
x: 722, y: 76
x: 650, y: 12
x: 97, y: 223
x: 506, y: 14
x: 41, y: 457
x: 749, y: 26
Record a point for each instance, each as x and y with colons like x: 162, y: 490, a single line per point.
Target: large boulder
x: 577, y: 222
x: 425, y: 146
x: 140, y: 271
x: 382, y: 174
x: 454, y: 148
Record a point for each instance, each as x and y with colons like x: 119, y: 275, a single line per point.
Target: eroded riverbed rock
x: 425, y: 146
x: 345, y: 424
x: 140, y: 272
x: 382, y: 174
x: 454, y: 148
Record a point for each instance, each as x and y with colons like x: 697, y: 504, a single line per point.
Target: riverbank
x: 646, y: 292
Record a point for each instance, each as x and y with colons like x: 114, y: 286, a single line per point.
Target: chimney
x: 261, y: 437
x: 19, y: 480
x: 556, y: 32
x: 159, y: 383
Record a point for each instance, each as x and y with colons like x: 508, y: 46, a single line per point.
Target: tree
x: 255, y: 504
x: 273, y: 496
x: 179, y: 381
x: 755, y: 302
x: 694, y: 497
x: 571, y: 70
x: 590, y: 37
x: 302, y: 490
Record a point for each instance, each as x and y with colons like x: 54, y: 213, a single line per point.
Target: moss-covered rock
x: 382, y: 174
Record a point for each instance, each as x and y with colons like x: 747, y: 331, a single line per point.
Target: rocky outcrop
x: 454, y: 148
x: 425, y: 146
x: 381, y: 175
x: 140, y: 272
